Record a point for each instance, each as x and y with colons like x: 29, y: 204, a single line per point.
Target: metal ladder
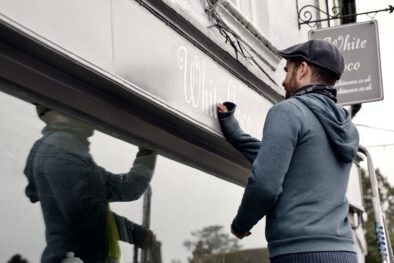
x: 146, y: 223
x: 384, y: 247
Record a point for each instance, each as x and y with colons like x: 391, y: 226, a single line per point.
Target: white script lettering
x: 202, y: 93
x: 345, y: 43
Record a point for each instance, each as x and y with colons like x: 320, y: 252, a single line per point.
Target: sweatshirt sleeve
x: 130, y: 186
x: 131, y: 232
x: 281, y: 132
x: 242, y: 141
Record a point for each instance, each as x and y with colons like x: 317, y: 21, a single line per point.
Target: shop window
x: 57, y: 196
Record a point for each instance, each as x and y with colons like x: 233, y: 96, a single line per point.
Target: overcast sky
x: 380, y: 114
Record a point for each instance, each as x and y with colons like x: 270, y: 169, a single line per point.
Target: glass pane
x: 22, y: 230
x: 187, y: 200
x: 58, y: 180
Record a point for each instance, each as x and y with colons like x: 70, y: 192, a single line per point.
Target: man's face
x: 290, y: 82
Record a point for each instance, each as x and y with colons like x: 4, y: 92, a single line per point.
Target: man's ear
x: 303, y: 70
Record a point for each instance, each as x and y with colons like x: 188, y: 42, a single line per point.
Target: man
x: 74, y: 193
x: 301, y: 168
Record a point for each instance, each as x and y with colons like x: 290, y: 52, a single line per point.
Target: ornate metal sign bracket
x: 310, y: 14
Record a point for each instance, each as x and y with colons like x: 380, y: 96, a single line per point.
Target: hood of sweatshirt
x: 58, y: 139
x: 337, y: 124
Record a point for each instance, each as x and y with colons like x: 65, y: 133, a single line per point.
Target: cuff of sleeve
x: 142, y: 151
x: 231, y: 109
x: 239, y: 228
x: 140, y: 234
x: 227, y: 121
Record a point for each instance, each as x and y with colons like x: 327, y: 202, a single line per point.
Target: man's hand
x: 222, y: 108
x: 144, y: 151
x: 238, y: 235
x: 149, y: 240
x: 144, y: 238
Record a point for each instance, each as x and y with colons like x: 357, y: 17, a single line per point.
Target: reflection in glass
x: 189, y: 205
x: 74, y: 193
x: 184, y: 200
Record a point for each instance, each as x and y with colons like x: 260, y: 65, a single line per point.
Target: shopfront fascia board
x: 123, y: 38
x: 39, y: 74
x: 39, y: 69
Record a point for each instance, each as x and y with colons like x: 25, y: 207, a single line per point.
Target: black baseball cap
x: 320, y: 53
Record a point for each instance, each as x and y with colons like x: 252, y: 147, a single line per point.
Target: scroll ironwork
x: 310, y: 14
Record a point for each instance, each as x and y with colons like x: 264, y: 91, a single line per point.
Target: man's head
x: 311, y: 62
x: 51, y: 117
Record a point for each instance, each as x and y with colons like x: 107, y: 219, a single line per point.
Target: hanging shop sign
x: 359, y: 43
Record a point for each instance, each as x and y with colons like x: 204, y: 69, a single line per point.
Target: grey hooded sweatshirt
x: 299, y: 174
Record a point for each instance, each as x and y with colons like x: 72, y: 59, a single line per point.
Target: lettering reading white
x: 346, y: 43
x: 203, y: 96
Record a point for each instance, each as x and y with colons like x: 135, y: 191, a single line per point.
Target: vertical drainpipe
x: 349, y: 7
x: 318, y: 16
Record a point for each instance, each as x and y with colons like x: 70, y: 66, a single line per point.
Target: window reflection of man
x: 74, y: 193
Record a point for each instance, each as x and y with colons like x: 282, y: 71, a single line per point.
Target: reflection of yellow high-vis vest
x: 112, y: 235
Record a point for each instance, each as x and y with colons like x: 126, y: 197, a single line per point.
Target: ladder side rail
x: 380, y: 225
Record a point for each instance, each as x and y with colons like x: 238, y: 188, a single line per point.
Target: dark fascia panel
x: 37, y: 73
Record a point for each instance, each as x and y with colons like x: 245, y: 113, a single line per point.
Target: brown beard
x: 292, y: 85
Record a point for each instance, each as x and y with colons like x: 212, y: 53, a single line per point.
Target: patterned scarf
x: 325, y: 90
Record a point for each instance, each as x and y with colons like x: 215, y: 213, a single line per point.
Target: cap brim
x: 298, y: 56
